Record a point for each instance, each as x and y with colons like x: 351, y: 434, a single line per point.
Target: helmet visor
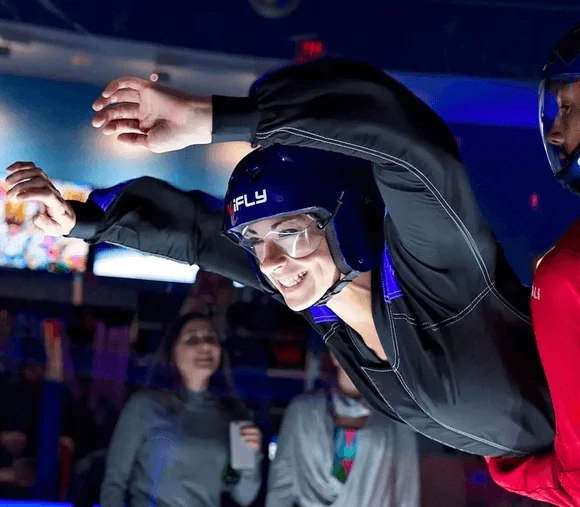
x: 559, y: 106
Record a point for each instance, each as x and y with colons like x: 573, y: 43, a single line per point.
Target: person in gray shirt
x: 334, y: 450
x: 171, y: 448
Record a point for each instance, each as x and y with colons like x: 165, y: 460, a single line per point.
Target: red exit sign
x: 309, y: 50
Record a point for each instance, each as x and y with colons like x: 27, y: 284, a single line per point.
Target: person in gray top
x: 171, y: 448
x: 334, y: 450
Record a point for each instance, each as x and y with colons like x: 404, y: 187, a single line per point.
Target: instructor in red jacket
x: 555, y: 477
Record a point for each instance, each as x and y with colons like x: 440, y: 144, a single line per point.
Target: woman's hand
x: 252, y: 436
x: 159, y: 119
x: 29, y: 183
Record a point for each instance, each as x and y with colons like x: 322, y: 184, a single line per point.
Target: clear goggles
x: 556, y: 97
x: 296, y: 235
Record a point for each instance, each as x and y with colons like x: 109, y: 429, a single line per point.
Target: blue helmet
x: 337, y: 189
x: 561, y: 70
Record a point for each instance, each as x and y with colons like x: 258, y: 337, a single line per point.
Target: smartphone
x: 242, y: 456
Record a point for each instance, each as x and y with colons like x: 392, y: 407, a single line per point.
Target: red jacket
x: 555, y: 476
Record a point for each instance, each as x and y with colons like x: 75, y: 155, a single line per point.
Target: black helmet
x: 559, y: 78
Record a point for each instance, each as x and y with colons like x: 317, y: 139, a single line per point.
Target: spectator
x: 333, y: 450
x: 171, y: 448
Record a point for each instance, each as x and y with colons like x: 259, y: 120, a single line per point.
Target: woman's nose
x: 273, y: 257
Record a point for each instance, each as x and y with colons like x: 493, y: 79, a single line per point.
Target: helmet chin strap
x: 337, y: 287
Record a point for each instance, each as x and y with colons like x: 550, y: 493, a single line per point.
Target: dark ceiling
x: 500, y: 38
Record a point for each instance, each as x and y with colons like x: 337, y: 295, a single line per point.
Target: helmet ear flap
x: 335, y: 250
x: 357, y: 240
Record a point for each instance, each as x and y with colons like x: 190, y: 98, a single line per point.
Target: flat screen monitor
x: 24, y: 246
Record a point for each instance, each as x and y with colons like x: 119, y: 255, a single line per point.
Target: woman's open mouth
x: 292, y: 282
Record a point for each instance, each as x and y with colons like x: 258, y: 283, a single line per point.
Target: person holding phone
x: 171, y: 447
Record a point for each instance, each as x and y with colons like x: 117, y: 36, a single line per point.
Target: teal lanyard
x: 345, y: 447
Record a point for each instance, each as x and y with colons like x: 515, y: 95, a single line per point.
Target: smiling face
x: 197, y: 351
x: 294, y: 255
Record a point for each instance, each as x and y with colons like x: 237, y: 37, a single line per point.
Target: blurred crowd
x: 232, y: 401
